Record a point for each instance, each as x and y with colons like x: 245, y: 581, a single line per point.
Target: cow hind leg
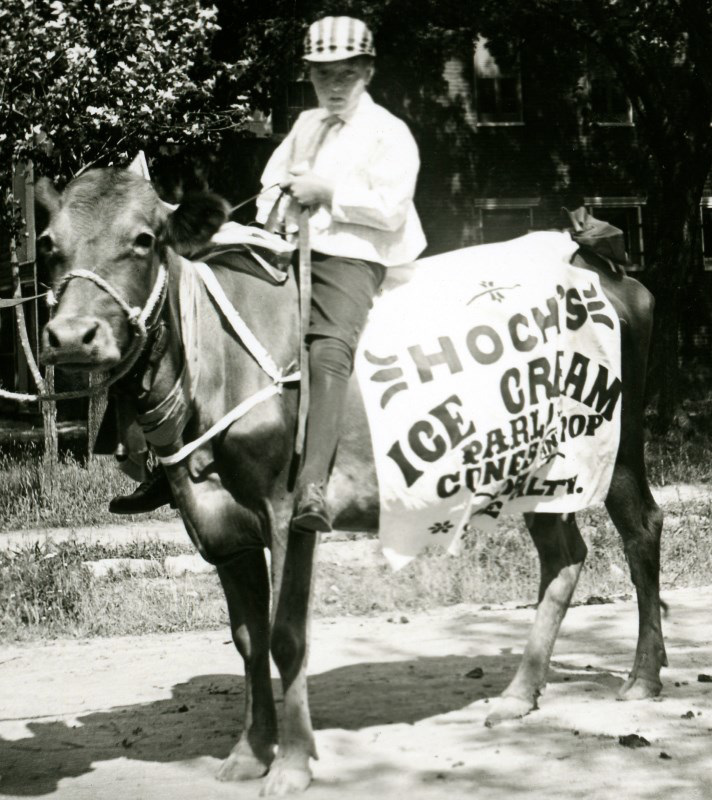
x: 246, y: 585
x: 639, y: 522
x: 561, y: 555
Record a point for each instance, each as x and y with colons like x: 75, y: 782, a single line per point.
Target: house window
x: 498, y: 89
x: 502, y: 219
x: 625, y: 213
x: 706, y: 214
x: 608, y: 101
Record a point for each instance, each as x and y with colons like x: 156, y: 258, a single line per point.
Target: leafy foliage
x: 83, y: 82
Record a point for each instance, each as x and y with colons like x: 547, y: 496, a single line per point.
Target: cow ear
x: 47, y: 196
x: 195, y: 221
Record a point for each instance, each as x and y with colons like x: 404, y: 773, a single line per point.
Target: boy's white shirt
x: 373, y: 162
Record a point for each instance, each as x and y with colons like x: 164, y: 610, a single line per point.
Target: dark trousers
x: 342, y: 295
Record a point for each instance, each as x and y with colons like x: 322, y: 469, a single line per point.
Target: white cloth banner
x: 491, y: 378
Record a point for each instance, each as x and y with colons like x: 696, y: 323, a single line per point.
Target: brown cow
x: 234, y: 492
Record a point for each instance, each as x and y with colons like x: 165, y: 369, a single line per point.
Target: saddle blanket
x: 491, y: 378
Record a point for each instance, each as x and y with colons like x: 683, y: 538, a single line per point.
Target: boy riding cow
x: 221, y: 347
x: 354, y: 166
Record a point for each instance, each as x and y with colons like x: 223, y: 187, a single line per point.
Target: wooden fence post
x: 98, y: 402
x: 22, y: 253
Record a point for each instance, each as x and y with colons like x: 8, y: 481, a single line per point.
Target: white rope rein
x: 253, y: 345
x: 237, y: 412
x: 256, y: 350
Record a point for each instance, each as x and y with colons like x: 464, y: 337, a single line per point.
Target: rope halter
x: 139, y: 319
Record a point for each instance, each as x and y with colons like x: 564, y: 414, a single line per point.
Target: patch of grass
x: 48, y: 592
x: 42, y: 588
x: 77, y: 495
x: 493, y: 567
x: 503, y: 566
x: 151, y: 549
x: 138, y: 605
x: 681, y: 454
x: 678, y: 457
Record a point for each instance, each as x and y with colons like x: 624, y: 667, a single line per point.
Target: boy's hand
x: 307, y: 188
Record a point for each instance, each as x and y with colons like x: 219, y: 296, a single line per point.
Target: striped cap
x: 337, y: 38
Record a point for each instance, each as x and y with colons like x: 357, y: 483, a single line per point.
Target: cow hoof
x: 639, y: 689
x: 509, y: 708
x: 241, y: 767
x: 282, y: 780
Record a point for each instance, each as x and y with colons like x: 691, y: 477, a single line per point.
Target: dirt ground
x: 395, y: 713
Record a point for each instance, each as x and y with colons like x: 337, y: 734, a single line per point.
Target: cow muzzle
x: 84, y: 342
x: 80, y: 343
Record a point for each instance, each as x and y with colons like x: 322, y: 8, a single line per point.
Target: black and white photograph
x: 355, y: 399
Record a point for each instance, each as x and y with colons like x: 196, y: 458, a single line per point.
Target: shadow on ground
x: 204, y: 715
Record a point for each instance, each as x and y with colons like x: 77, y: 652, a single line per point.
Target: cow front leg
x: 562, y: 551
x: 246, y: 585
x: 293, y: 580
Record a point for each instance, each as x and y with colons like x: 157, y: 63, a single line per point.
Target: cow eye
x: 143, y: 242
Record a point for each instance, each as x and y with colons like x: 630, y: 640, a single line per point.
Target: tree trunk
x: 51, y: 436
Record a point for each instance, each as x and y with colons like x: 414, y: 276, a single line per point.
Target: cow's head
x: 112, y: 224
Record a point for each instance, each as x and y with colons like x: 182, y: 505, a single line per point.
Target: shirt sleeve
x: 276, y: 171
x: 379, y: 195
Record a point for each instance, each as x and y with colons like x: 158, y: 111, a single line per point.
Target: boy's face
x: 339, y: 84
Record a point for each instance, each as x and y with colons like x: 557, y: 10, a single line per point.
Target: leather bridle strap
x: 304, y: 313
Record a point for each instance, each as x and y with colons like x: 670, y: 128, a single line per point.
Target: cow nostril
x: 52, y: 338
x: 90, y: 334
